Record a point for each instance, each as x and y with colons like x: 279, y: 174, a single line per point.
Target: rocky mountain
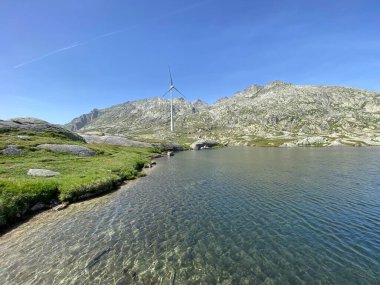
x: 84, y: 120
x: 273, y: 114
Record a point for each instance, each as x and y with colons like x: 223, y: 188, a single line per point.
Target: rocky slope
x: 36, y: 125
x: 270, y: 115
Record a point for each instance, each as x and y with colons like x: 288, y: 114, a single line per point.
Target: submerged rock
x: 42, y: 172
x: 68, y: 148
x: 38, y: 207
x: 157, y: 155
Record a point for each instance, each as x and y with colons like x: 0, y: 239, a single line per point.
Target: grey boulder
x: 42, y: 172
x: 202, y: 144
x: 11, y: 150
x: 68, y: 148
x: 114, y: 140
x: 169, y: 146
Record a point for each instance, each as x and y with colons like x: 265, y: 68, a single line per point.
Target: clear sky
x: 60, y: 59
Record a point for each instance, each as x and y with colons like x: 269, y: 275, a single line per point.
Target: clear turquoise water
x: 226, y: 216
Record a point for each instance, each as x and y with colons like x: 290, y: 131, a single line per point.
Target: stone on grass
x: 42, y: 172
x: 11, y: 150
x: 23, y: 137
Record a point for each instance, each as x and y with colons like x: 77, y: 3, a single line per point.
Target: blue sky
x: 60, y: 59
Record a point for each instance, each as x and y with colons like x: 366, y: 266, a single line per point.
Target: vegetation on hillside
x: 78, y: 175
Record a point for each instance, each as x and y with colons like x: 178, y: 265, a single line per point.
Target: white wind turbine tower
x: 171, y: 90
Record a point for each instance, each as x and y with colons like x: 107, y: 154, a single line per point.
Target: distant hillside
x: 277, y: 111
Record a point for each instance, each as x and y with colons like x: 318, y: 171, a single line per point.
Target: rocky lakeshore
x: 44, y: 167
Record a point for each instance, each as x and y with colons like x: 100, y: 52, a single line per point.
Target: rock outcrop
x: 83, y: 120
x: 122, y: 141
x: 202, y: 144
x: 68, y: 148
x: 32, y: 124
x: 114, y: 140
x: 312, y: 141
x: 169, y: 146
x: 336, y: 143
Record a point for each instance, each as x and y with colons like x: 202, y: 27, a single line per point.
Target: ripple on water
x: 229, y: 216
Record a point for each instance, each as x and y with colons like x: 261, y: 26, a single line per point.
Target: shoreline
x: 31, y: 215
x: 62, y: 207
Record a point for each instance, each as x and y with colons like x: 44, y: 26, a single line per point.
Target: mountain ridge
x: 276, y: 110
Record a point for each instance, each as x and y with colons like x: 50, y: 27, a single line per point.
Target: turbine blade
x: 171, y: 79
x: 166, y: 93
x: 179, y: 92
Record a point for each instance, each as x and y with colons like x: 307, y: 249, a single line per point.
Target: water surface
x: 226, y: 216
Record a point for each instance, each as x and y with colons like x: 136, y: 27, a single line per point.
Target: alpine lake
x: 236, y: 215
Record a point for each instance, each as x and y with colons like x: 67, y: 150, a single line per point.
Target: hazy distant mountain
x: 277, y: 110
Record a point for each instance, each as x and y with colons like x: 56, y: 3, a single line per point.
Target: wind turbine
x: 172, y: 88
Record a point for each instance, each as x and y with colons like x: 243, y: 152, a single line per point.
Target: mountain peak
x: 252, y: 89
x: 277, y: 83
x: 199, y: 103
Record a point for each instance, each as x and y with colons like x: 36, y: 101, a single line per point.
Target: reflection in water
x: 226, y: 216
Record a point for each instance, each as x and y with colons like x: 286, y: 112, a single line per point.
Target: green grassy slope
x: 78, y: 175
